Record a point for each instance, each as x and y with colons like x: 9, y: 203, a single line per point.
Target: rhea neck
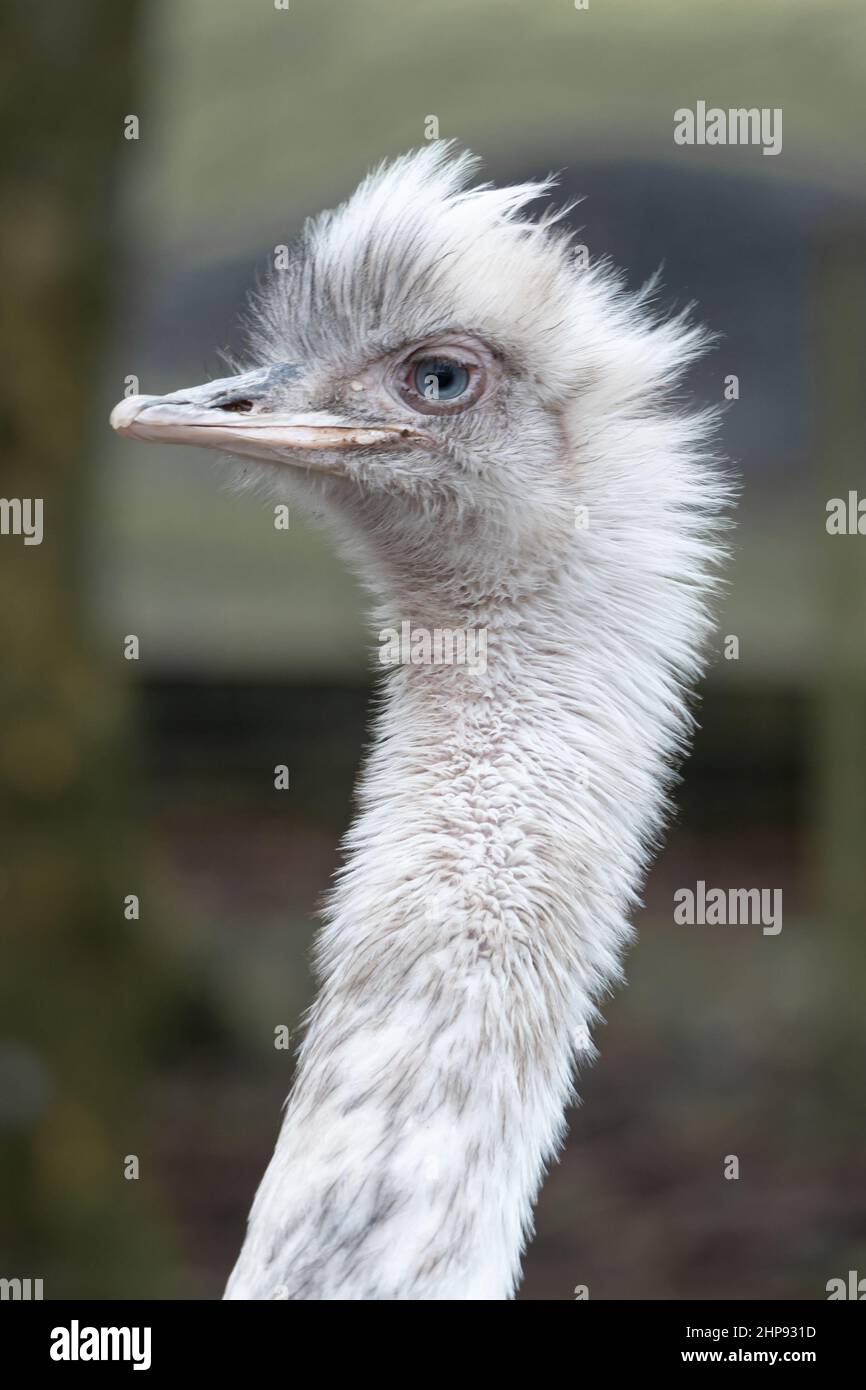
x: 480, y: 912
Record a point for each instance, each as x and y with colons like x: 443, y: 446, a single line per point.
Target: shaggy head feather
x: 579, y: 371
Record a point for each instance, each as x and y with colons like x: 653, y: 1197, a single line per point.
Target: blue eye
x: 440, y: 378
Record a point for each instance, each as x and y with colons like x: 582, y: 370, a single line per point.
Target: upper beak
x: 238, y: 414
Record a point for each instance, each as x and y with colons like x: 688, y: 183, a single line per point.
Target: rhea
x: 492, y: 430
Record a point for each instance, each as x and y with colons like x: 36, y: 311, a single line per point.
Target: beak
x: 239, y: 415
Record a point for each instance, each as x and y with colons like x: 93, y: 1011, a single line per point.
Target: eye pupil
x: 440, y: 378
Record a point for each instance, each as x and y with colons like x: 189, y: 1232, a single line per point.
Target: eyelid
x: 403, y: 382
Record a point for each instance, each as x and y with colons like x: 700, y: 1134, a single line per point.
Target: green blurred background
x: 154, y: 1037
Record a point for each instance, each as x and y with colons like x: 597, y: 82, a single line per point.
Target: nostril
x: 239, y: 407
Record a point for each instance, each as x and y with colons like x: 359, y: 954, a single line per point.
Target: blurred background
x: 153, y: 1036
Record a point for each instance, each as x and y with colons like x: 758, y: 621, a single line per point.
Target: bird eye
x: 440, y: 378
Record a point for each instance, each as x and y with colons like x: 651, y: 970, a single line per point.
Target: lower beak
x: 236, y: 415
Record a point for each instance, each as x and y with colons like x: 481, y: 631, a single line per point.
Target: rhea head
x: 429, y: 370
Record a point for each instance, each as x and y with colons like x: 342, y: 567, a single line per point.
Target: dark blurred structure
x: 81, y: 995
